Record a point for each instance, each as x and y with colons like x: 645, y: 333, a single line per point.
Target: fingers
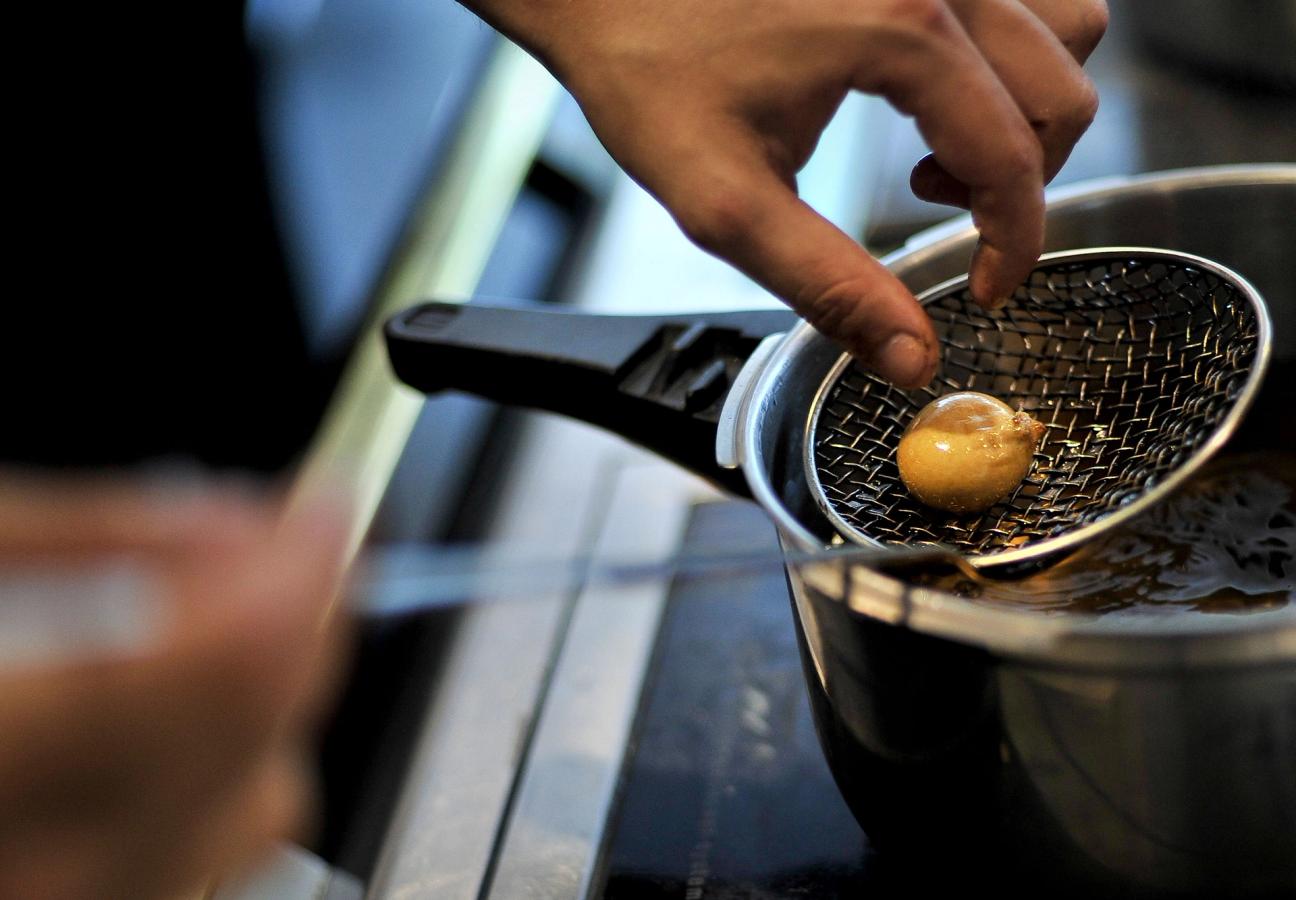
x: 976, y: 132
x: 739, y: 208
x: 131, y: 762
x: 1037, y: 57
x: 1047, y: 83
x: 235, y: 664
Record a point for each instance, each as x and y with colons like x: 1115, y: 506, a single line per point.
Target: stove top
x: 724, y: 792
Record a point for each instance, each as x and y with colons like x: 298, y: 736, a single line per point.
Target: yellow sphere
x: 964, y: 452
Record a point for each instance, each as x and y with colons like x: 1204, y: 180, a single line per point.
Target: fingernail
x: 902, y: 360
x: 933, y: 187
x: 923, y: 182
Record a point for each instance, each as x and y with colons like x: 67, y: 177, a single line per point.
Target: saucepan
x: 1140, y: 755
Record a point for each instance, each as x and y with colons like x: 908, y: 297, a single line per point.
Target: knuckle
x: 924, y: 16
x: 823, y: 308
x: 1023, y: 158
x: 1085, y: 107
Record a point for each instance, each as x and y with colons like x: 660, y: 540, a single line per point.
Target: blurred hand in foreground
x: 715, y: 105
x: 144, y: 772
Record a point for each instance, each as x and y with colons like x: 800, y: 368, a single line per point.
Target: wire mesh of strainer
x: 1139, y: 362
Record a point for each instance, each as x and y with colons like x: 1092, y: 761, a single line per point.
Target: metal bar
x: 550, y: 846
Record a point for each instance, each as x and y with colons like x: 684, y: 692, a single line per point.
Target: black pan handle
x: 659, y: 381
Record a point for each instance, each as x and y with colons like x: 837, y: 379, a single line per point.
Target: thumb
x: 750, y: 217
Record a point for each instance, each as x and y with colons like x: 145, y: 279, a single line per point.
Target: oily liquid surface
x: 1225, y: 543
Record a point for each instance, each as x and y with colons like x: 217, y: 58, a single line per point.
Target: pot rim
x: 1191, y: 641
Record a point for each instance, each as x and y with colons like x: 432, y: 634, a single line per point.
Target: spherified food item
x: 966, y: 451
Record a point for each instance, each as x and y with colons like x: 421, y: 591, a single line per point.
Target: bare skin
x: 714, y: 107
x: 145, y: 774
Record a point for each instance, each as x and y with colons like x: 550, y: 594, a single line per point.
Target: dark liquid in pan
x: 1225, y: 543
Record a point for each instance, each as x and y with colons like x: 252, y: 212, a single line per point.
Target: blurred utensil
x: 115, y: 607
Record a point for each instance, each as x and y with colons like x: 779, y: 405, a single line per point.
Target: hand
x: 146, y: 773
x: 714, y: 105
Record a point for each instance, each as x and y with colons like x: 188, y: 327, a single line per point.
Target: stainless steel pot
x: 1157, y: 755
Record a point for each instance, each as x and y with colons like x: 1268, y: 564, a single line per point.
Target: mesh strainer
x: 1139, y: 362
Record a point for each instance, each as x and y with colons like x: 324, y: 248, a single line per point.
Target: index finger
x: 977, y: 133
